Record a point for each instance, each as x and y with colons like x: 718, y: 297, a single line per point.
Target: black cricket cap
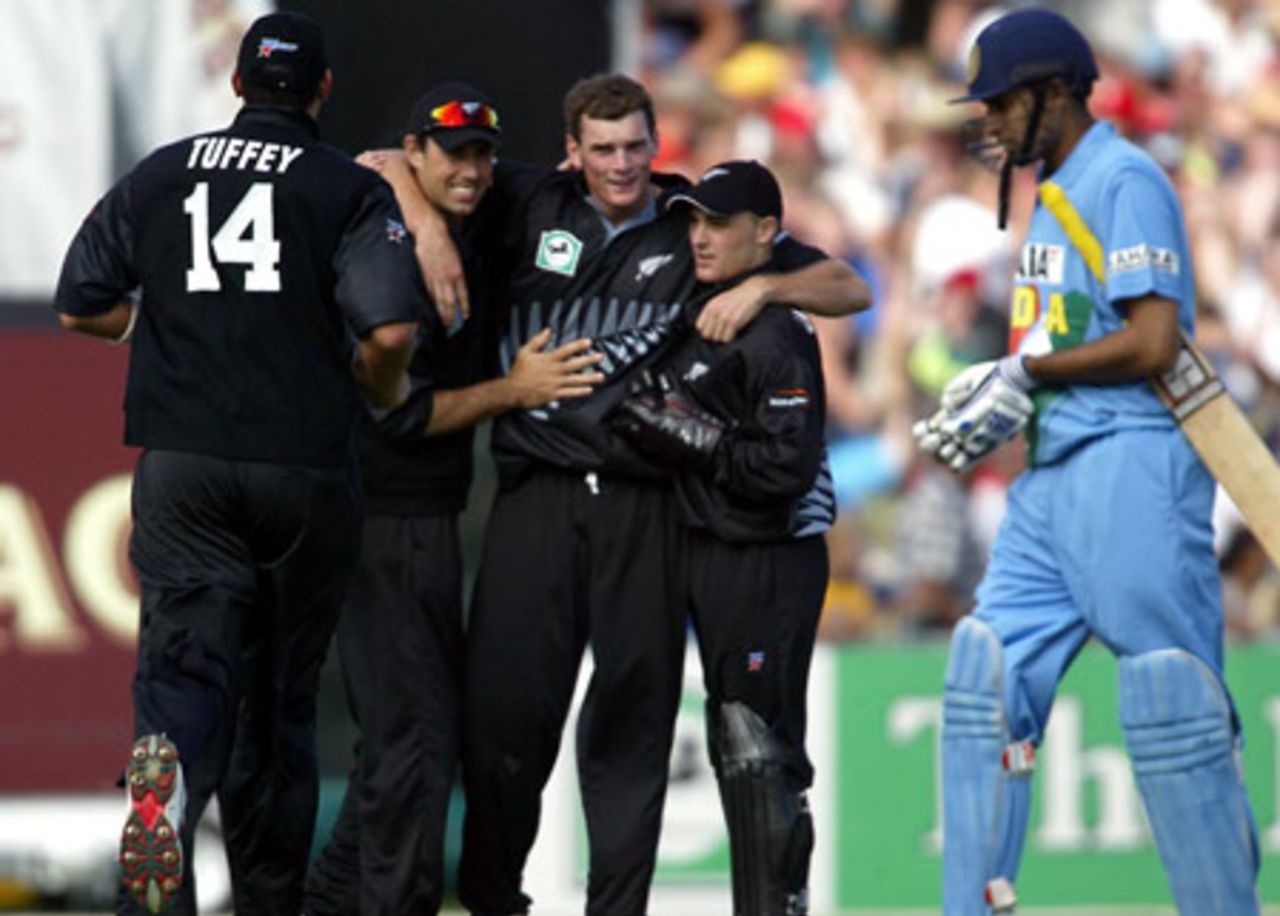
x: 454, y: 114
x: 283, y: 52
x: 737, y: 186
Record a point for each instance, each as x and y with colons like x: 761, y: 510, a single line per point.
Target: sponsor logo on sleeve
x: 790, y: 397
x: 1142, y: 257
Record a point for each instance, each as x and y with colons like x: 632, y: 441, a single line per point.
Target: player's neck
x: 1074, y: 127
x: 617, y: 216
x: 452, y: 220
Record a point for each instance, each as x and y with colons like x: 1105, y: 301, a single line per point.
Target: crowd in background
x: 847, y: 101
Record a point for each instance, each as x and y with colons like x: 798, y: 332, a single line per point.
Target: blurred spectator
x: 1250, y: 588
x: 90, y: 87
x: 1250, y: 303
x: 847, y: 101
x: 1235, y: 38
x: 939, y: 558
x: 697, y: 34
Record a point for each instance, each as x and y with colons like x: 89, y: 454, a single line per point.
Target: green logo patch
x: 558, y: 252
x: 1068, y: 328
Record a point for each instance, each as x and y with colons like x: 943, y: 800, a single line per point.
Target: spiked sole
x: 150, y: 850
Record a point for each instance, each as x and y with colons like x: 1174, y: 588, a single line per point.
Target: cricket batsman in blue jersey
x: 1108, y: 530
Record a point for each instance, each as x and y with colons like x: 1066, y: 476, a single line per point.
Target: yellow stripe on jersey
x: 1056, y: 202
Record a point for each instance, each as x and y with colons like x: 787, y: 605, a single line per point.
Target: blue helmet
x: 1027, y: 46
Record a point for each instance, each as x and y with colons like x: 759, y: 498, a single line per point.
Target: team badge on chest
x: 558, y: 252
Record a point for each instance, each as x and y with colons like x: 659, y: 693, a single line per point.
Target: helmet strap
x: 1023, y: 156
x: 1006, y: 179
x: 1033, y: 124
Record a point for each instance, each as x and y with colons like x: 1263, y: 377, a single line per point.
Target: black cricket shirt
x: 406, y: 472
x: 769, y: 480
x: 624, y: 290
x: 257, y: 251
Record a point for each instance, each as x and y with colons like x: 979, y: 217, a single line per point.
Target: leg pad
x: 770, y: 828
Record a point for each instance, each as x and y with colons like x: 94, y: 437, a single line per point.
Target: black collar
x: 289, y: 119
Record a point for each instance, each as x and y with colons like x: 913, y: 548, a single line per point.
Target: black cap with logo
x: 454, y: 114
x: 283, y: 52
x: 737, y: 186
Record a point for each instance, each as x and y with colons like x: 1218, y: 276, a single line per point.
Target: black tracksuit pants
x: 755, y: 610
x: 243, y: 567
x: 400, y: 642
x: 570, y: 561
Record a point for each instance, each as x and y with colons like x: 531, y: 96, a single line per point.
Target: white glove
x: 965, y: 385
x: 945, y: 447
x: 983, y: 407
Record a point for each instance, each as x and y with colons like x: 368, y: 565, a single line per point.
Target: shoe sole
x: 150, y: 850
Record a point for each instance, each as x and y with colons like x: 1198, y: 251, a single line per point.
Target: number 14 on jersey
x: 254, y: 217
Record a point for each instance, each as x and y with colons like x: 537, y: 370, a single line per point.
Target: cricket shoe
x: 150, y: 848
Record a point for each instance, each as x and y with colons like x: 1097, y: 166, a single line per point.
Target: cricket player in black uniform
x: 576, y: 550
x: 743, y: 423
x: 400, y: 638
x: 266, y: 281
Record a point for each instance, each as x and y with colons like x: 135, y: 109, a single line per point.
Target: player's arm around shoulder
x: 379, y: 293
x: 821, y: 285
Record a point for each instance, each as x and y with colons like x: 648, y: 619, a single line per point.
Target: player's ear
x: 1058, y: 95
x: 766, y: 229
x: 326, y: 85
x: 572, y: 152
x: 237, y: 84
x: 415, y: 151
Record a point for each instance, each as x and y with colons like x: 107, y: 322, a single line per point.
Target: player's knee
x: 742, y: 740
x: 973, y: 702
x: 973, y: 692
x: 1174, y: 711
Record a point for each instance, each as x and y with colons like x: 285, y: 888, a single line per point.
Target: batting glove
x: 968, y: 383
x: 983, y: 407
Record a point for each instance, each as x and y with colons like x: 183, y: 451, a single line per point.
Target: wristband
x: 1013, y: 369
x: 127, y: 333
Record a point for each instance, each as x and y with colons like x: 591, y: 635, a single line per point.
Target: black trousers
x: 568, y: 562
x: 755, y: 610
x: 243, y: 568
x: 400, y: 641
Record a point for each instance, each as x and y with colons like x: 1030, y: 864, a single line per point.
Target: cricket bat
x: 1225, y: 441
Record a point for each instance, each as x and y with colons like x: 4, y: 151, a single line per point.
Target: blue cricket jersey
x: 1133, y: 211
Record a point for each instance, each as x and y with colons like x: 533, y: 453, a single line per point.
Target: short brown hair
x: 607, y: 97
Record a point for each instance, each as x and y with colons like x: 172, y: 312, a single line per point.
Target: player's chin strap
x: 1023, y: 156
